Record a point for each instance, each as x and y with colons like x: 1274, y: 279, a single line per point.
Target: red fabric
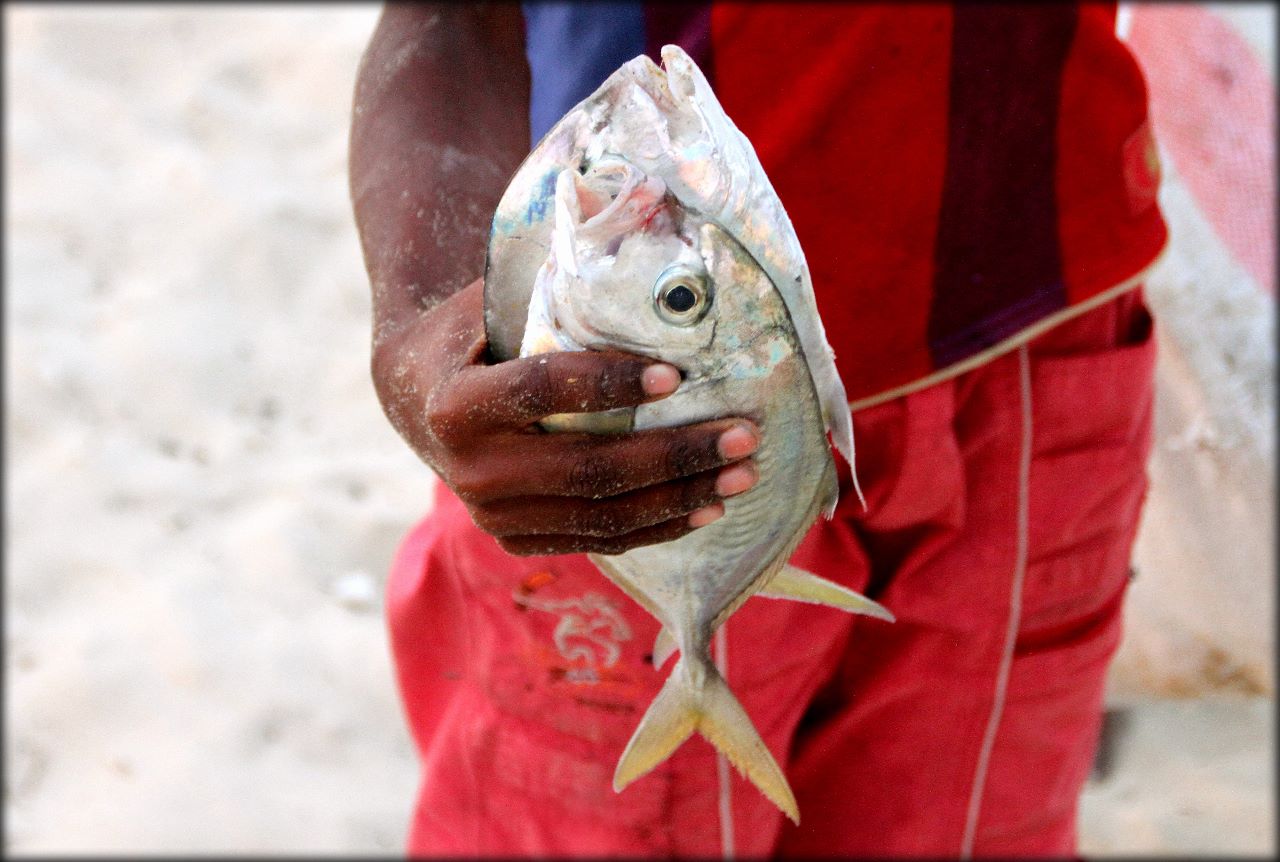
x: 846, y: 106
x: 1108, y: 168
x: 860, y: 114
x: 523, y: 678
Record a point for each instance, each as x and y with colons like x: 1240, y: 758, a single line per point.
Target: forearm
x: 439, y: 124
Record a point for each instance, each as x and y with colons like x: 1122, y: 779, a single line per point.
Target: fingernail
x: 660, y: 379
x: 736, y: 479
x: 706, y: 515
x: 738, y: 442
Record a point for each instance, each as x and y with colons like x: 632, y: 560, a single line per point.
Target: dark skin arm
x: 440, y: 123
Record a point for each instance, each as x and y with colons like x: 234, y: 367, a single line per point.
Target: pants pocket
x: 1092, y: 378
x: 1092, y: 412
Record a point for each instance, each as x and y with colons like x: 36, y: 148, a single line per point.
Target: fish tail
x: 671, y: 719
x: 713, y: 711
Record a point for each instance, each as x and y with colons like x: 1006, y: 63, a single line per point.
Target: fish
x: 659, y: 235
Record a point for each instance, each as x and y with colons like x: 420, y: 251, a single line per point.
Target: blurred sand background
x: 203, y: 496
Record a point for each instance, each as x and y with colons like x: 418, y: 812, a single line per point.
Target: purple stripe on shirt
x: 997, y: 258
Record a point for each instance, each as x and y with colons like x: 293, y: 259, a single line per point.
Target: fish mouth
x: 603, y: 188
x: 615, y: 197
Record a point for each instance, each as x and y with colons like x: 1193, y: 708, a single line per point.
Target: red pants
x: 1002, y: 507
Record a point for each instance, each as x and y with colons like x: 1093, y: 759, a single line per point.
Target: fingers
x: 597, y: 466
x: 616, y: 516
x: 516, y: 393
x: 545, y: 546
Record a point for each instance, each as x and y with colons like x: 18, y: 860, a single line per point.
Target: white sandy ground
x: 203, y: 496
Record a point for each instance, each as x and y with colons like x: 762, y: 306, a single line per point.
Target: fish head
x: 631, y: 269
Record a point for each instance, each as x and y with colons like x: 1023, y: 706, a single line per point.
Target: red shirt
x: 960, y: 176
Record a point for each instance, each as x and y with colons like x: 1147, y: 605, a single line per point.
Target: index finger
x: 521, y: 391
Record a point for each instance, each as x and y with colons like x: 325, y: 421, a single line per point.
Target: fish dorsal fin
x: 801, y: 586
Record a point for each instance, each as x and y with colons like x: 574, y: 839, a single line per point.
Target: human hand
x: 561, y: 493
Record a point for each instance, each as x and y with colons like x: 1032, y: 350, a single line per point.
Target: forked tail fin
x: 713, y: 711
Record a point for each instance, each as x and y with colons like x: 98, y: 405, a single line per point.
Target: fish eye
x: 681, y: 296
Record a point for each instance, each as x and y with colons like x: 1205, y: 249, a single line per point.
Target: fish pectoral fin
x: 801, y: 586
x: 714, y: 712
x: 670, y: 720
x: 664, y: 646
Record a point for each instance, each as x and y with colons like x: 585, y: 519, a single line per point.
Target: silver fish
x: 633, y: 260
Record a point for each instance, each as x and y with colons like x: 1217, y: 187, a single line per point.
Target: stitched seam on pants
x: 1015, y: 612
x: 722, y: 762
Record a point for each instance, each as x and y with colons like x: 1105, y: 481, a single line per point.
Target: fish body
x: 632, y: 261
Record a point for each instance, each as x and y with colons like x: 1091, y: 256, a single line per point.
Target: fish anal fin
x: 801, y: 586
x: 664, y: 646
